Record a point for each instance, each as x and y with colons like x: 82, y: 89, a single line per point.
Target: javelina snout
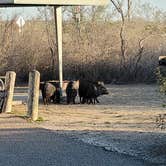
x: 102, y: 90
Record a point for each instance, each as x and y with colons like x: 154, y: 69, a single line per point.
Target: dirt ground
x: 124, y: 121
x: 127, y: 107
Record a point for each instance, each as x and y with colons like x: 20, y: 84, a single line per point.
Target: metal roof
x: 12, y: 3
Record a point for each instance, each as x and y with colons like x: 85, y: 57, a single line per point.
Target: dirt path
x: 127, y: 107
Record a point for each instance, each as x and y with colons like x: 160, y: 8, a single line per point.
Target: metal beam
x: 52, y: 2
x: 7, y: 2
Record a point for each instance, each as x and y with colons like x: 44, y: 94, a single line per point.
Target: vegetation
x: 161, y: 75
x: 100, y: 45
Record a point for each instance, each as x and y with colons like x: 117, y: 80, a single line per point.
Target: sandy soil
x: 124, y: 121
x: 127, y: 107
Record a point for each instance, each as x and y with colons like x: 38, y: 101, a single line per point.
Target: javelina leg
x: 94, y: 101
x: 58, y: 99
x: 44, y: 101
x: 73, y: 100
x: 80, y: 100
x: 47, y: 100
x: 84, y: 100
x: 97, y: 100
x: 68, y: 100
x: 90, y: 101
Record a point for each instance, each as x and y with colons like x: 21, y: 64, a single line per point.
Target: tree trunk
x: 129, y: 3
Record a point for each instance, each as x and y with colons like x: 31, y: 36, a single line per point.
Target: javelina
x: 89, y: 91
x: 94, y: 91
x: 71, y: 91
x: 56, y: 97
x: 83, y: 85
x: 50, y: 92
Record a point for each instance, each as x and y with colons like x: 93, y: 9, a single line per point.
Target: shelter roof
x: 11, y: 3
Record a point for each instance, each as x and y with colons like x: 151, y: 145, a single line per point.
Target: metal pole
x: 58, y: 25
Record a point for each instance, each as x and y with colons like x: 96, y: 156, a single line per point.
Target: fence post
x: 33, y: 95
x: 9, y: 88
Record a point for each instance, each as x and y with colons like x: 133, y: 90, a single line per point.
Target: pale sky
x: 32, y: 12
x: 161, y: 4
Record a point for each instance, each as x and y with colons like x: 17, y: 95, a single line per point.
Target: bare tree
x: 47, y: 13
x: 138, y: 57
x: 129, y: 3
x: 118, y: 5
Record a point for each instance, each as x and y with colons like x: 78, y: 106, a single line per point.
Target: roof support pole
x: 58, y: 24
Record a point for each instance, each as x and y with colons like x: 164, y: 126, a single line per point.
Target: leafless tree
x: 118, y: 5
x: 49, y: 12
x: 129, y: 4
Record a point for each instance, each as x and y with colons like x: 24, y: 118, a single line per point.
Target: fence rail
x: 2, y: 92
x: 2, y: 77
x: 2, y: 82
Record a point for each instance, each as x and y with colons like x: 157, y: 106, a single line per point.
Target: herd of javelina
x: 87, y: 91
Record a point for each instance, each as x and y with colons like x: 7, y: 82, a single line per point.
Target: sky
x: 161, y: 4
x: 28, y: 13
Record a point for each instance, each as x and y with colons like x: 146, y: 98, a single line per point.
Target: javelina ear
x: 100, y: 83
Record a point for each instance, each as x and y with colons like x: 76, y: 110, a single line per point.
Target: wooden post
x: 33, y: 95
x: 58, y: 24
x: 9, y: 88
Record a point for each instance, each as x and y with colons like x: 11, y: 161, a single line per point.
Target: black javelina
x: 71, y: 91
x: 83, y: 90
x: 89, y: 91
x: 97, y: 89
